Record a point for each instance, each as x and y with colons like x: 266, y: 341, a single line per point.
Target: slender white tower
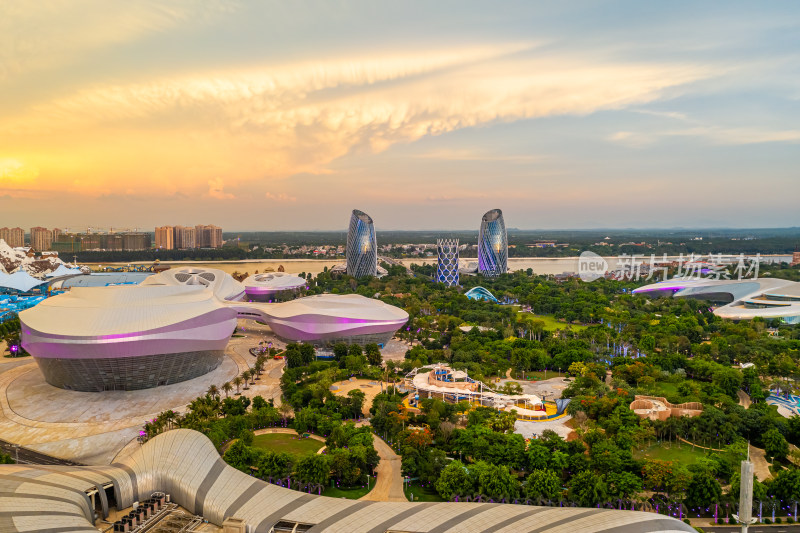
x: 745, y: 516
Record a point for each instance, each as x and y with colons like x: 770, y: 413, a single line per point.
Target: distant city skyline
x: 261, y: 116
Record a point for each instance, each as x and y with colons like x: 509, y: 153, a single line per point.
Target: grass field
x: 551, y: 323
x: 685, y: 454
x: 422, y: 494
x: 283, y: 442
x: 664, y: 389
x: 350, y: 494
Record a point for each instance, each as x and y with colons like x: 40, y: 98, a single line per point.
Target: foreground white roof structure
x: 742, y: 299
x: 175, y: 326
x: 185, y: 465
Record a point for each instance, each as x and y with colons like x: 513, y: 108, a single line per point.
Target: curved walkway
x: 744, y: 399
x: 760, y: 464
x: 389, y: 484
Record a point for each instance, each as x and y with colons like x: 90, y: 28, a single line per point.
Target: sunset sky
x: 287, y: 115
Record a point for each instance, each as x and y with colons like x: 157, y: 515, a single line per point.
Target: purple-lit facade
x: 267, y: 286
x: 329, y: 318
x: 745, y: 299
x: 127, y: 337
x: 176, y: 327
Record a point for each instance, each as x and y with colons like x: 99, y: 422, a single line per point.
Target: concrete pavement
x: 389, y: 485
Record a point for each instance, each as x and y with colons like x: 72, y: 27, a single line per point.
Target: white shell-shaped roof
x: 749, y: 298
x: 184, y: 464
x: 96, y: 311
x: 353, y: 306
x: 222, y: 283
x: 274, y: 281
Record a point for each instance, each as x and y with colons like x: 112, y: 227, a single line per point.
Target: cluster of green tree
x: 351, y: 357
x: 226, y: 253
x: 773, y: 240
x: 349, y: 457
x: 220, y: 419
x: 10, y: 332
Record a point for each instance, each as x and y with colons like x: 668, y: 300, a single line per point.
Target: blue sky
x: 281, y: 116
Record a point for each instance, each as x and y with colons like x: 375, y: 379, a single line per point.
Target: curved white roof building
x: 221, y: 283
x: 262, y: 287
x: 742, y: 299
x: 175, y: 326
x: 330, y: 318
x: 185, y: 465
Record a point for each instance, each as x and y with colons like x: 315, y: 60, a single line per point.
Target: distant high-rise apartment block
x: 41, y: 239
x: 362, y: 247
x: 208, y: 236
x: 447, y: 254
x: 14, y: 237
x: 165, y: 238
x: 184, y: 237
x: 131, y: 241
x: 493, y: 244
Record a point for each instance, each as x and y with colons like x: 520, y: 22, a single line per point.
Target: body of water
x: 540, y: 265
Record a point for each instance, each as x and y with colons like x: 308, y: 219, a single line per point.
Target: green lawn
x: 284, y: 442
x: 665, y: 389
x: 551, y: 323
x: 350, y: 494
x: 684, y: 453
x: 422, y: 494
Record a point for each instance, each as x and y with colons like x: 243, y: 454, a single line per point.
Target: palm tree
x: 237, y: 382
x: 246, y: 378
x: 227, y: 387
x: 213, y: 391
x: 258, y: 368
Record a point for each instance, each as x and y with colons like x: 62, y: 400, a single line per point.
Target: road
x: 389, y: 485
x: 31, y: 457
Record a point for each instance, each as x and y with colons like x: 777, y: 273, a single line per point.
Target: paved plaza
x: 96, y: 428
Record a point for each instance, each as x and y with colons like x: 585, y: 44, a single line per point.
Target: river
x: 540, y: 265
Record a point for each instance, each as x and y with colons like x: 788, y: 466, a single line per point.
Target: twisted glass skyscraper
x: 493, y: 245
x: 447, y: 252
x: 362, y: 248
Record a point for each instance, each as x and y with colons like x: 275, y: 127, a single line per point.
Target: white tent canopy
x: 62, y: 270
x: 19, y: 281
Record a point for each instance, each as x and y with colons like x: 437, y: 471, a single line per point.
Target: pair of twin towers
x: 362, y: 249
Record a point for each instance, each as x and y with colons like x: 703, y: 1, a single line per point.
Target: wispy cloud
x: 478, y: 155
x: 739, y: 136
x: 58, y: 32
x: 216, y: 189
x: 282, y: 120
x: 280, y: 197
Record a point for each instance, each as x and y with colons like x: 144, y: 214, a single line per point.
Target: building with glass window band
x: 493, y: 245
x: 362, y: 248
